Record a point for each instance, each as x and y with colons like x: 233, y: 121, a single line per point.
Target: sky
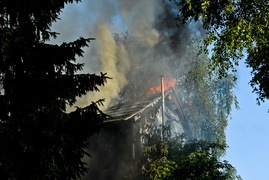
x: 248, y: 129
x: 248, y: 132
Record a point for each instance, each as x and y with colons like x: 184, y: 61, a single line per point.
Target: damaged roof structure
x: 135, y: 109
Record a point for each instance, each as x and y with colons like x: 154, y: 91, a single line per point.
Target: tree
x: 39, y: 140
x: 205, y: 99
x: 234, y: 27
x: 181, y: 159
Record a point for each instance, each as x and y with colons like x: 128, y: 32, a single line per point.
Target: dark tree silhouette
x: 38, y: 139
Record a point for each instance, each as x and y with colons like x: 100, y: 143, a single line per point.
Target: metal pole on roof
x: 163, y: 107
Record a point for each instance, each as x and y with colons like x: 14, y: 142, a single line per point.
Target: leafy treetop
x: 234, y: 27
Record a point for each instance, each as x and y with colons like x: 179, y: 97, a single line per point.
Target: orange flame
x: 167, y: 84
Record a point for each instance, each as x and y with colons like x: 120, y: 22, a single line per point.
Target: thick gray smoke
x: 134, y: 61
x: 150, y: 60
x: 102, y: 20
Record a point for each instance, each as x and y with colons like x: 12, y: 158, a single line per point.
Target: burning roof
x: 135, y: 108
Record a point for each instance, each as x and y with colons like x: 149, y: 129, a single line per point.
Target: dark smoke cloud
x: 166, y: 57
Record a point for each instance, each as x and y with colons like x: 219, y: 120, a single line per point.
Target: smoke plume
x: 135, y: 61
x: 113, y: 60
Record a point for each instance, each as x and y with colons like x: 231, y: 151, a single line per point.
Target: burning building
x: 128, y: 128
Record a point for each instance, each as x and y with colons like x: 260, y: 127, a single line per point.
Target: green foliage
x: 180, y: 159
x: 39, y: 140
x: 234, y: 27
